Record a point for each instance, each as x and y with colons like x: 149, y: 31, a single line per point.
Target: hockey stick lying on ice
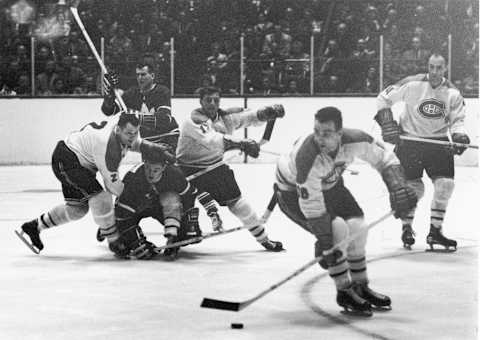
x: 440, y: 142
x: 74, y: 11
x: 238, y: 306
x: 263, y: 220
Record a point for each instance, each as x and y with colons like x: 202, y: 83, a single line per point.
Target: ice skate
x: 100, y: 237
x: 274, y: 246
x: 31, y: 229
x: 436, y: 237
x: 377, y: 300
x: 192, y: 228
x: 352, y: 303
x: 171, y: 254
x: 217, y: 224
x: 408, y: 236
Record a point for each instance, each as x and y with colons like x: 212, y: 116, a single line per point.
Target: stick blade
x: 219, y: 304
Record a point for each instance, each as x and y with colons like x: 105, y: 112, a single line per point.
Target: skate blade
x: 357, y: 313
x: 441, y: 250
x: 381, y: 308
x: 28, y: 244
x: 407, y: 246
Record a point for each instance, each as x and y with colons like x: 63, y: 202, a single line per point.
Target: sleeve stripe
x: 185, y: 190
x: 126, y: 207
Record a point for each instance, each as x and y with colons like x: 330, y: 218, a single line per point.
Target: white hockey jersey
x: 310, y: 171
x: 201, y: 138
x: 429, y: 112
x: 98, y: 149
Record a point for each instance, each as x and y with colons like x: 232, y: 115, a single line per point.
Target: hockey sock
x: 103, y: 214
x: 442, y: 191
x: 339, y: 273
x: 207, y: 202
x: 245, y: 213
x: 419, y: 188
x: 62, y: 214
x: 358, y: 269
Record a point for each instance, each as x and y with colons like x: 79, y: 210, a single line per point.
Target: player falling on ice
x: 205, y: 137
x: 75, y: 162
x: 152, y: 189
x: 311, y: 192
x: 434, y: 109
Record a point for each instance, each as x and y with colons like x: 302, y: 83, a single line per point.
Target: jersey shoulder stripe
x: 350, y: 136
x: 305, y: 157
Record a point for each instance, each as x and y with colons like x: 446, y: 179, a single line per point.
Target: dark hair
x: 330, y: 113
x: 142, y: 64
x: 126, y: 118
x: 153, y: 156
x: 204, y: 91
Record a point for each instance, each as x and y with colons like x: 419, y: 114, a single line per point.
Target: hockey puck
x: 237, y: 325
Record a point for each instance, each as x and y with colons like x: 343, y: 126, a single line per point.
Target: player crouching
x: 158, y: 190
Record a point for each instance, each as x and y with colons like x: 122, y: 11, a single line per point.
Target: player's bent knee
x: 357, y: 226
x: 102, y: 209
x: 172, y: 205
x: 340, y: 231
x: 418, y: 186
x: 76, y: 211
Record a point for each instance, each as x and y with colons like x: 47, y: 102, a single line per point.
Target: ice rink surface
x: 75, y: 289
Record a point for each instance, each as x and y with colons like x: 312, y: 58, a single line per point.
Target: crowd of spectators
x: 277, y: 37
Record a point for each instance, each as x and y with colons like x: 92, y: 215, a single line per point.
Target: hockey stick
x: 238, y: 306
x: 440, y: 142
x: 74, y: 11
x: 267, y: 134
x: 263, y: 220
x: 270, y: 207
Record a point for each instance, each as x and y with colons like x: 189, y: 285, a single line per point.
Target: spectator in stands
x: 75, y: 76
x: 343, y: 37
x: 391, y: 19
x: 216, y: 63
x: 292, y: 88
x: 266, y: 88
x: 23, y: 87
x: 367, y: 83
x: 46, y: 79
x: 59, y: 87
x: 263, y: 26
x: 298, y: 63
x: 415, y: 58
x: 277, y: 44
x: 120, y: 45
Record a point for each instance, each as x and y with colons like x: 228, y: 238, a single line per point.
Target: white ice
x: 75, y: 289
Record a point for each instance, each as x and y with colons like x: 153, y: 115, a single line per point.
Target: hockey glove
x: 143, y: 249
x: 271, y: 112
x: 119, y: 249
x: 250, y: 147
x: 110, y: 82
x: 151, y: 150
x: 402, y: 197
x: 462, y: 139
x: 322, y: 229
x: 390, y: 129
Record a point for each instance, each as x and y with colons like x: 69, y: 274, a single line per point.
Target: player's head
x: 127, y: 128
x: 437, y: 67
x: 145, y: 75
x: 155, y: 164
x: 328, y: 128
x: 210, y: 99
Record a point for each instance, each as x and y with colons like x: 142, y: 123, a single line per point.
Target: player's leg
x: 170, y: 215
x: 223, y: 187
x: 210, y: 207
x: 356, y: 256
x: 442, y: 171
x: 78, y: 185
x: 410, y: 155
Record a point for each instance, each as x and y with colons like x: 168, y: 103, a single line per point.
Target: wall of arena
x: 30, y: 128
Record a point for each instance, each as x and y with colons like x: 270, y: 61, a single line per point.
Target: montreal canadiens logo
x: 432, y: 109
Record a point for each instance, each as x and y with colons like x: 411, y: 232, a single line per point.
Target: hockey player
x: 311, y: 192
x: 75, y: 162
x: 203, y: 140
x: 152, y: 189
x: 434, y: 109
x: 151, y: 102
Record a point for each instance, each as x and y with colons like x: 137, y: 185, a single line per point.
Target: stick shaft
x: 439, y: 142
x: 95, y: 53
